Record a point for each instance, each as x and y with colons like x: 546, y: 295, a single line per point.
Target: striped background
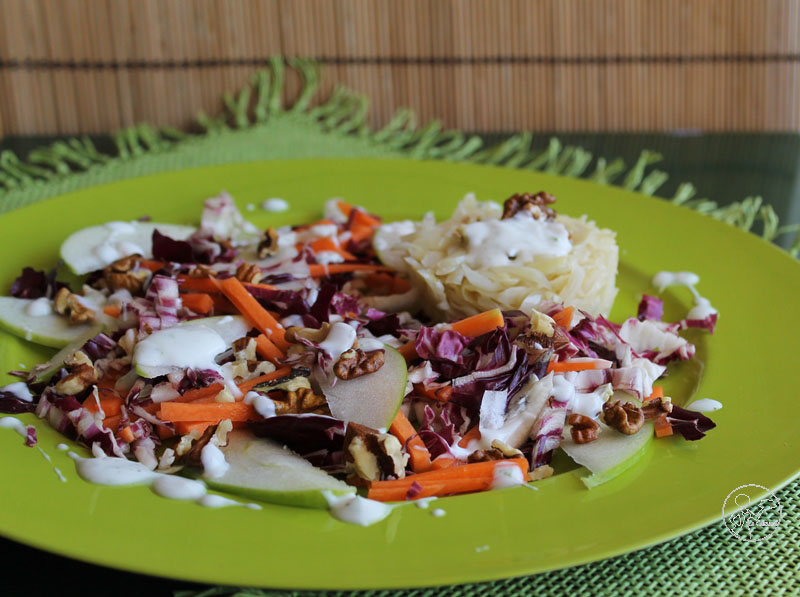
x: 70, y: 66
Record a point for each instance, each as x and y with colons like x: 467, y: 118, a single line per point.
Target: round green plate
x: 748, y: 365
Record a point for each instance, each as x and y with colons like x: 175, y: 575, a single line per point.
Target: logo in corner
x: 751, y: 523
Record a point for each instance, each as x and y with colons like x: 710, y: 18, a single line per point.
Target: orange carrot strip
x: 564, y: 317
x: 214, y: 389
x: 198, y: 302
x: 476, y: 476
x: 328, y: 244
x: 344, y: 207
x: 184, y: 427
x: 662, y: 427
x: 403, y: 430
x: 192, y: 395
x: 222, y: 305
x: 658, y: 392
x: 408, y: 350
x: 248, y: 285
x: 257, y: 315
x: 587, y: 365
x: 112, y: 423
x: 110, y: 403
x: 190, y: 284
x: 126, y: 435
x: 479, y: 324
x: 359, y: 232
x: 250, y: 384
x: 362, y: 218
x: 213, y: 412
x: 441, y: 462
x: 153, y: 266
x: 266, y: 349
x: 471, y: 434
x: 321, y: 271
x: 112, y: 310
x: 164, y: 432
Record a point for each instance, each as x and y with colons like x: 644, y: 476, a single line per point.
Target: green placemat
x: 256, y: 125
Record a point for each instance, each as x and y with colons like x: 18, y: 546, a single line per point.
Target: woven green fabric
x: 255, y: 125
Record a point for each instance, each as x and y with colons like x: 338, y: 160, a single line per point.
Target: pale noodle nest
x: 434, y: 257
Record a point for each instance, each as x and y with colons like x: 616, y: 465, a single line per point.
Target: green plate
x: 679, y: 486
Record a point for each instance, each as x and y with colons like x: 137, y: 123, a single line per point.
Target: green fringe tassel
x: 345, y: 113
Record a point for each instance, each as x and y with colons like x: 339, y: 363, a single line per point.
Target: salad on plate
x: 347, y: 363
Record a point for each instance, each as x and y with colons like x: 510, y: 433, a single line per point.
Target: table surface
x: 724, y: 167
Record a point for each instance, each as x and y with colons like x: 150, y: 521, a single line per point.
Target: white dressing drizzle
x: 507, y: 475
x: 19, y: 390
x: 275, y: 204
x: 704, y: 405
x: 355, y: 509
x: 183, y: 347
x: 39, y: 307
x: 702, y: 306
x: 214, y: 463
x: 438, y: 512
x: 424, y: 502
x: 263, y: 405
x: 340, y: 339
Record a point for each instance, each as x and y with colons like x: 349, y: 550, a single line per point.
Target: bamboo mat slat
x: 92, y: 66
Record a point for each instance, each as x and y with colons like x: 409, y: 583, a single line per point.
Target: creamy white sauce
x: 482, y: 548
x: 62, y: 447
x: 517, y: 240
x: 19, y: 390
x: 590, y: 404
x: 214, y: 463
x: 438, y: 512
x: 355, y: 509
x: 424, y: 502
x: 326, y: 257
x: 507, y: 475
x: 178, y: 488
x: 251, y: 206
x: 190, y: 346
x: 340, y: 339
x: 263, y: 405
x: 39, y: 307
x: 702, y: 306
x: 704, y: 405
x: 275, y: 204
x: 370, y: 344
x: 15, y: 424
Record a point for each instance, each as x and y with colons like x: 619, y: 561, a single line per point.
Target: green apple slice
x: 611, y: 454
x: 93, y: 248
x: 371, y: 400
x: 263, y: 470
x: 48, y: 330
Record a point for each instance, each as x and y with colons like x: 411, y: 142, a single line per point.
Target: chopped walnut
x: 541, y: 472
x: 202, y: 271
x: 249, y: 272
x: 300, y: 401
x: 355, y: 363
x: 536, y: 205
x: 269, y: 244
x: 244, y: 349
x: 652, y: 409
x: 71, y: 305
x: 193, y: 456
x: 485, y: 455
x: 372, y: 455
x: 584, y: 429
x: 295, y: 332
x: 506, y: 450
x: 126, y: 274
x: 81, y: 375
x: 625, y: 417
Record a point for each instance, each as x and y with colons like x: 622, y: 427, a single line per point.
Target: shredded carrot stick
x: 419, y: 456
x: 112, y: 422
x: 164, y: 432
x: 265, y: 348
x: 153, y: 266
x: 383, y: 283
x: 126, y: 434
x: 216, y: 388
x: 184, y: 427
x: 658, y: 392
x: 344, y: 207
x: 662, y: 427
x: 222, y: 305
x: 472, y: 327
x: 441, y: 462
x: 359, y: 232
x: 198, y: 302
x: 362, y: 218
x: 441, y: 394
x: 112, y: 310
x: 328, y: 244
x: 471, y: 434
x: 577, y: 365
x: 278, y: 373
x: 213, y: 412
x: 257, y: 315
x: 476, y: 476
x: 109, y: 402
x: 206, y: 285
x: 564, y: 317
x: 321, y: 271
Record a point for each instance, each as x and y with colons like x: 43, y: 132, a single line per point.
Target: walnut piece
x: 269, y: 244
x: 355, y: 363
x: 625, y: 417
x: 541, y: 472
x: 652, y: 409
x: 202, y: 271
x: 295, y: 332
x: 81, y: 375
x: 372, y: 455
x: 126, y: 274
x: 249, y: 272
x: 485, y: 455
x: 300, y: 401
x: 71, y: 305
x: 536, y: 205
x: 584, y: 429
x: 193, y: 456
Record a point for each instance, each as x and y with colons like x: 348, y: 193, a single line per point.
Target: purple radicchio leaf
x: 386, y: 324
x: 692, y: 425
x: 320, y: 310
x: 11, y: 405
x: 169, y: 249
x: 284, y: 302
x: 650, y: 307
x: 304, y: 434
x: 30, y: 284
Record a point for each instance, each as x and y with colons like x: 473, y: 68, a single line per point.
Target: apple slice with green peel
x: 95, y: 247
x: 611, y: 454
x: 49, y: 330
x: 373, y: 399
x: 46, y: 370
x: 263, y: 470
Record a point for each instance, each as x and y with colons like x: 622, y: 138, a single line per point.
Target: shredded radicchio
x: 650, y: 307
x: 692, y: 425
x: 11, y: 405
x: 33, y: 284
x: 304, y: 434
x: 169, y: 249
